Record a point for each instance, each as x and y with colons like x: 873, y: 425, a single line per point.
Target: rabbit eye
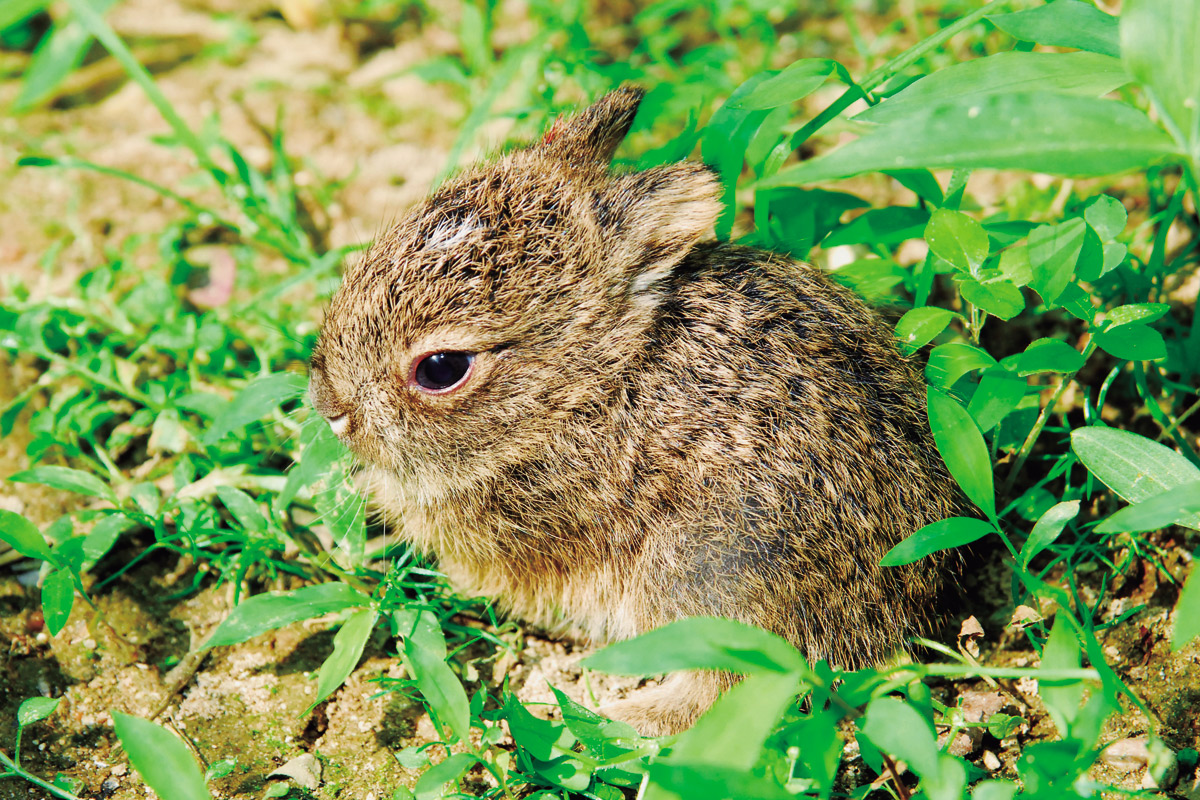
x: 440, y: 372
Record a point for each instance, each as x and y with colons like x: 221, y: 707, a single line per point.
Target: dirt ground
x: 362, y: 120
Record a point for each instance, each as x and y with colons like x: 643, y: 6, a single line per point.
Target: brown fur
x: 655, y: 427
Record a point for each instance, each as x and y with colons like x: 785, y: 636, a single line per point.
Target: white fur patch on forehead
x: 447, y: 235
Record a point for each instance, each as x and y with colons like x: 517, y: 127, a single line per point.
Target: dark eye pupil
x: 443, y: 370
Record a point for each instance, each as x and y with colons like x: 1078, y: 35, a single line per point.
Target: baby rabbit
x: 602, y: 421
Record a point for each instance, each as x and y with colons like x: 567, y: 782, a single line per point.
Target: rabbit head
x: 506, y: 301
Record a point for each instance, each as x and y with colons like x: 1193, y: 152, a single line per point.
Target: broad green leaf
x: 732, y: 732
x: 1061, y: 697
x: 1053, y: 253
x: 941, y: 535
x: 267, y: 612
x: 606, y: 739
x: 1014, y: 265
x: 949, y: 362
x: 898, y: 729
x: 1133, y: 466
x: 1064, y: 23
x: 1106, y: 215
x: 669, y: 781
x: 1132, y: 342
x: 70, y: 480
x: 58, y: 598
x: 440, y: 687
x: 1035, y: 131
x: 23, y: 536
x: 164, y: 762
x: 36, y: 709
x: 891, y: 225
x: 544, y: 739
x: 1001, y: 299
x: 957, y: 239
x: 258, y: 399
x: 699, y: 643
x: 1158, y: 44
x: 998, y: 394
x: 1187, y: 613
x: 1087, y: 74
x: 920, y: 326
x: 348, y: 646
x: 1143, y: 313
x: 1048, y: 528
x: 103, y: 536
x: 1178, y: 506
x: 797, y: 81
x: 962, y: 447
x: 1049, y: 355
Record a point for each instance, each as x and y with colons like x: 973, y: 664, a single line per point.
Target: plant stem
x: 97, y: 27
x: 16, y: 772
x: 1043, y: 417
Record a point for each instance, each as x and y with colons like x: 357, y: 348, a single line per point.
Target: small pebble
x: 991, y: 761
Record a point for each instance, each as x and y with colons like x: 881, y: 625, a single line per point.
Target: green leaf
x: 949, y: 362
x: 1000, y: 298
x: 1061, y: 697
x: 15, y: 11
x: 58, y: 598
x: 962, y: 447
x: 1086, y: 74
x: 920, y: 326
x: 1048, y: 528
x: 1143, y: 313
x: 1178, y: 506
x: 1053, y: 253
x: 607, y: 740
x: 1063, y: 23
x: 544, y: 739
x: 59, y: 52
x: 941, y: 535
x: 959, y: 240
x: 799, y: 80
x: 1133, y: 466
x: 429, y: 786
x: 1158, y: 44
x: 267, y: 612
x: 1187, y: 613
x: 732, y: 732
x: 36, y: 709
x: 694, y: 781
x: 699, y: 643
x: 103, y: 536
x: 438, y: 684
x: 1035, y: 131
x: 1049, y: 355
x: 348, y: 646
x: 998, y: 395
x: 70, y: 480
x: 1106, y: 215
x: 260, y: 397
x: 900, y: 730
x: 164, y: 762
x: 1132, y: 342
x: 23, y: 536
x: 243, y: 507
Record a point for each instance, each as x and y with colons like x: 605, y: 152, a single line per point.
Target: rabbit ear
x: 592, y: 135
x: 652, y: 219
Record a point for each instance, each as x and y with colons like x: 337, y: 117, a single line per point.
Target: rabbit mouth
x: 339, y: 424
